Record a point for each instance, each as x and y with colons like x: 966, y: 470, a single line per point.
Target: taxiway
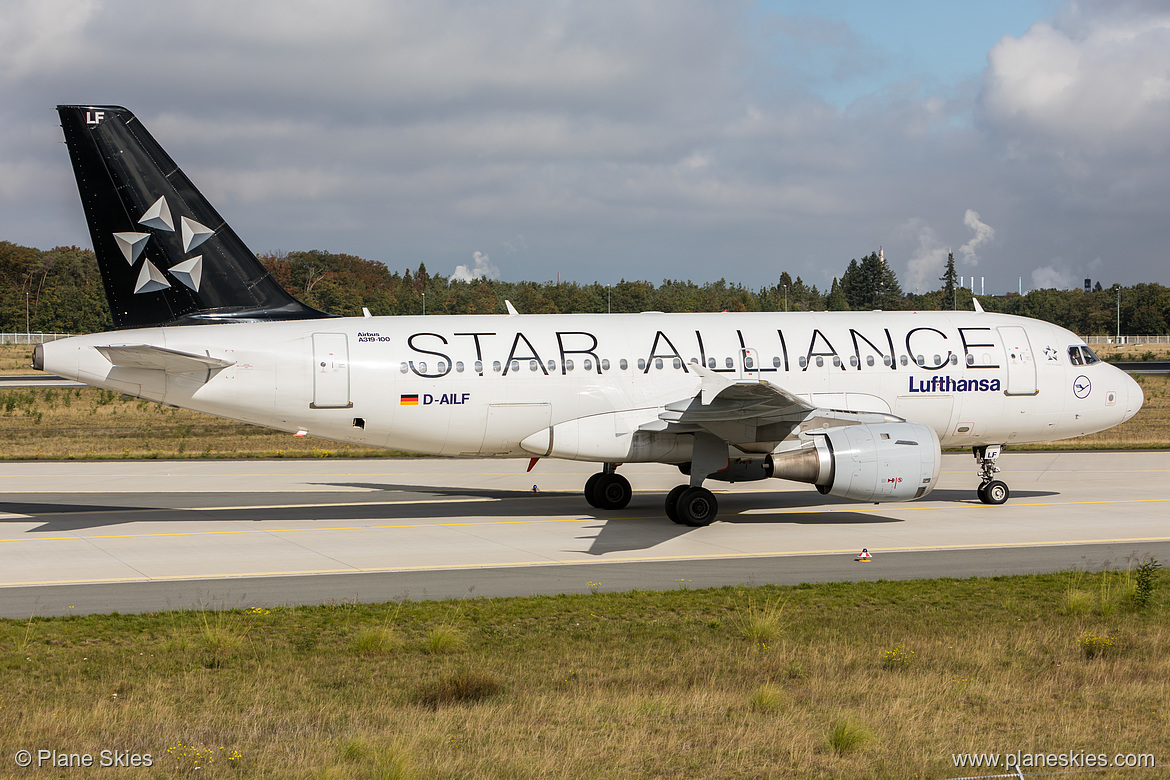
x: 136, y: 536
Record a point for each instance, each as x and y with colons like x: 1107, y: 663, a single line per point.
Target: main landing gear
x: 991, y: 490
x: 692, y: 504
x: 607, y: 489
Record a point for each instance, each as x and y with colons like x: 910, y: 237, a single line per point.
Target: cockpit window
x: 1080, y: 355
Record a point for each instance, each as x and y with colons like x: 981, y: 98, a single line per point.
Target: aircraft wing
x: 161, y: 359
x: 747, y: 411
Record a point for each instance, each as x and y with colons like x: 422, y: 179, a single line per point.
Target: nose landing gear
x: 991, y: 491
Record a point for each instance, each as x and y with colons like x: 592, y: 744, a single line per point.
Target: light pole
x: 1119, y: 314
x: 424, y: 304
x: 785, y: 297
x: 27, y: 329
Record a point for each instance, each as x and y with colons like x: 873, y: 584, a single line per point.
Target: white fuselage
x: 480, y: 385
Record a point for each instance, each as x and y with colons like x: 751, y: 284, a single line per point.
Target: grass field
x: 869, y: 680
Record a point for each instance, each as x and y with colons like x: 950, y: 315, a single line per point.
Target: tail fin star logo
x: 158, y: 217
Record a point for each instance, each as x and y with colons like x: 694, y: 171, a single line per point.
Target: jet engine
x: 879, y: 462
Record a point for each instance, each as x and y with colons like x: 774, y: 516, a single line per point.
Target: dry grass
x: 629, y: 685
x: 89, y: 423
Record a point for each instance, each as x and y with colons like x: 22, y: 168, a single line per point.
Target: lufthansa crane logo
x: 1082, y: 386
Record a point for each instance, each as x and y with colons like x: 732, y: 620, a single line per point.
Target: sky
x: 639, y: 139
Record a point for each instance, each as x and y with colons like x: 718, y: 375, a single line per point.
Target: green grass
x: 630, y: 685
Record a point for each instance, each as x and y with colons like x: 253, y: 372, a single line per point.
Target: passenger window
x: 803, y: 362
x: 442, y: 367
x: 588, y: 364
x: 403, y: 368
x: 515, y: 365
x: 820, y: 362
x: 920, y: 360
x: 1074, y: 355
x: 970, y: 359
x: 869, y: 360
x: 678, y: 362
x: 552, y: 366
x: 775, y: 362
x: 623, y: 365
x: 710, y: 362
x: 496, y: 366
x: 658, y: 363
x: 533, y: 365
x: 479, y: 366
x: 836, y: 361
x: 748, y: 362
x: 568, y: 365
x: 729, y: 363
x: 605, y: 364
x: 422, y: 366
x: 954, y: 359
x: 641, y: 364
x: 905, y: 361
x: 459, y: 366
x: 938, y: 361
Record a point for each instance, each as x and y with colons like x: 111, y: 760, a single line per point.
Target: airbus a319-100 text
x: 856, y: 403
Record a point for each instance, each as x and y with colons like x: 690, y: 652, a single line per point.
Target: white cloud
x: 481, y: 268
x: 1095, y: 81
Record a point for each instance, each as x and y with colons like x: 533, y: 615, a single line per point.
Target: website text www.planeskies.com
x: 1068, y: 759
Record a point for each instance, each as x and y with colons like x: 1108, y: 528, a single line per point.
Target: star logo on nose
x: 1050, y: 353
x: 158, y: 217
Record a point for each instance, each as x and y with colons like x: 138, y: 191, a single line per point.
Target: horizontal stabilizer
x: 171, y: 361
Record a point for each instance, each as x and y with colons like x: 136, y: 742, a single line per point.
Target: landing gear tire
x: 672, y: 502
x: 611, y: 491
x: 994, y: 492
x: 697, y: 507
x: 590, y: 485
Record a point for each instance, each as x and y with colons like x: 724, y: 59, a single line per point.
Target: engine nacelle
x: 880, y: 462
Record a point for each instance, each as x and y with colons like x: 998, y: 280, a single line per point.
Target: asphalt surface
x: 85, y: 537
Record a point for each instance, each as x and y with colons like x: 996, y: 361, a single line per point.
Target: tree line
x: 63, y: 292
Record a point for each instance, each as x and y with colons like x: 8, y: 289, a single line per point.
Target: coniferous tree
x: 950, y: 280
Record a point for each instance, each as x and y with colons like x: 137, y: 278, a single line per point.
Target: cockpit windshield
x: 1080, y: 355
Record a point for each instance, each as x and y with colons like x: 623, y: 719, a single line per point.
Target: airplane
x: 858, y: 404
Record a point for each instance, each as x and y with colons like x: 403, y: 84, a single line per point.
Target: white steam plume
x: 983, y: 234
x: 483, y: 268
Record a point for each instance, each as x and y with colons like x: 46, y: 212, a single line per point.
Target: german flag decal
x: 408, y: 400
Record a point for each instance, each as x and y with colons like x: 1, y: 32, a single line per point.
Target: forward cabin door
x: 1021, y: 368
x: 330, y: 371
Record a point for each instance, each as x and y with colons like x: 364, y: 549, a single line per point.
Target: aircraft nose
x: 1134, y: 397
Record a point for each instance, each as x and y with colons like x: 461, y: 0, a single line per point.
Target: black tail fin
x: 166, y: 256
